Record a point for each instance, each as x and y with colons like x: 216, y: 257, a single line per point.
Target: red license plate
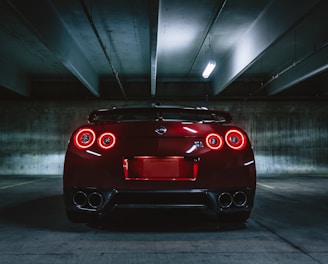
x: 160, y: 168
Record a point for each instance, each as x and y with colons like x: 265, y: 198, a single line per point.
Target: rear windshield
x: 152, y: 114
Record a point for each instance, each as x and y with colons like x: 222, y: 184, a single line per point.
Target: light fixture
x: 209, y: 69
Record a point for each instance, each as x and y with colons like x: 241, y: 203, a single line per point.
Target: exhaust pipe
x: 239, y: 199
x: 225, y: 200
x: 80, y: 199
x: 95, y: 200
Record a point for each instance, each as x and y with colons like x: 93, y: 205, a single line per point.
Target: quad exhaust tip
x: 238, y: 199
x: 92, y: 200
x: 95, y: 200
x: 225, y: 200
x: 80, y: 199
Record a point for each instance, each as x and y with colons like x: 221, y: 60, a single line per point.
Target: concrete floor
x: 288, y: 225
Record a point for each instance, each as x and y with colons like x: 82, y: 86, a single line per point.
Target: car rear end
x: 159, y: 162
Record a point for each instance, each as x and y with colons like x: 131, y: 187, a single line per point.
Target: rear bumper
x: 88, y: 204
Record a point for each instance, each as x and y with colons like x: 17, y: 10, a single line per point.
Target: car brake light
x: 84, y: 138
x: 214, y: 141
x: 106, y: 140
x: 235, y: 139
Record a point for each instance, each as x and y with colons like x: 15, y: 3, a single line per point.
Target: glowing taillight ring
x: 84, y: 138
x: 214, y: 141
x: 235, y: 139
x: 106, y: 140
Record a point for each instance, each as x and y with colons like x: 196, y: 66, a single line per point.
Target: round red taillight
x: 214, y: 141
x: 84, y: 138
x: 106, y: 140
x: 235, y: 139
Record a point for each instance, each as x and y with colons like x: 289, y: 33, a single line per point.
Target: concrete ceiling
x: 157, y: 49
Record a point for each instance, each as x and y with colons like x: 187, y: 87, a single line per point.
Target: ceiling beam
x: 154, y: 21
x: 42, y: 17
x: 207, y: 32
x: 299, y: 71
x: 14, y: 79
x: 103, y: 47
x: 273, y: 22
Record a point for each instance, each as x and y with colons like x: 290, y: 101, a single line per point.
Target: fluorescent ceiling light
x: 209, y: 69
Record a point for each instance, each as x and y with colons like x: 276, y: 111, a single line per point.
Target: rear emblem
x: 161, y: 130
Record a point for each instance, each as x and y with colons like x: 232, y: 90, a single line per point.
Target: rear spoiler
x: 199, y: 114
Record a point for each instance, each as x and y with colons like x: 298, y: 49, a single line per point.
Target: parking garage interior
x: 63, y: 59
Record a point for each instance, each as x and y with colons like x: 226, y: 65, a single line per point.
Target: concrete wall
x: 288, y: 137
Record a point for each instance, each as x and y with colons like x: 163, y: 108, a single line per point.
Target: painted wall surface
x: 288, y: 137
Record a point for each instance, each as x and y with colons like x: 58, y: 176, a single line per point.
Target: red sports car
x: 159, y: 157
